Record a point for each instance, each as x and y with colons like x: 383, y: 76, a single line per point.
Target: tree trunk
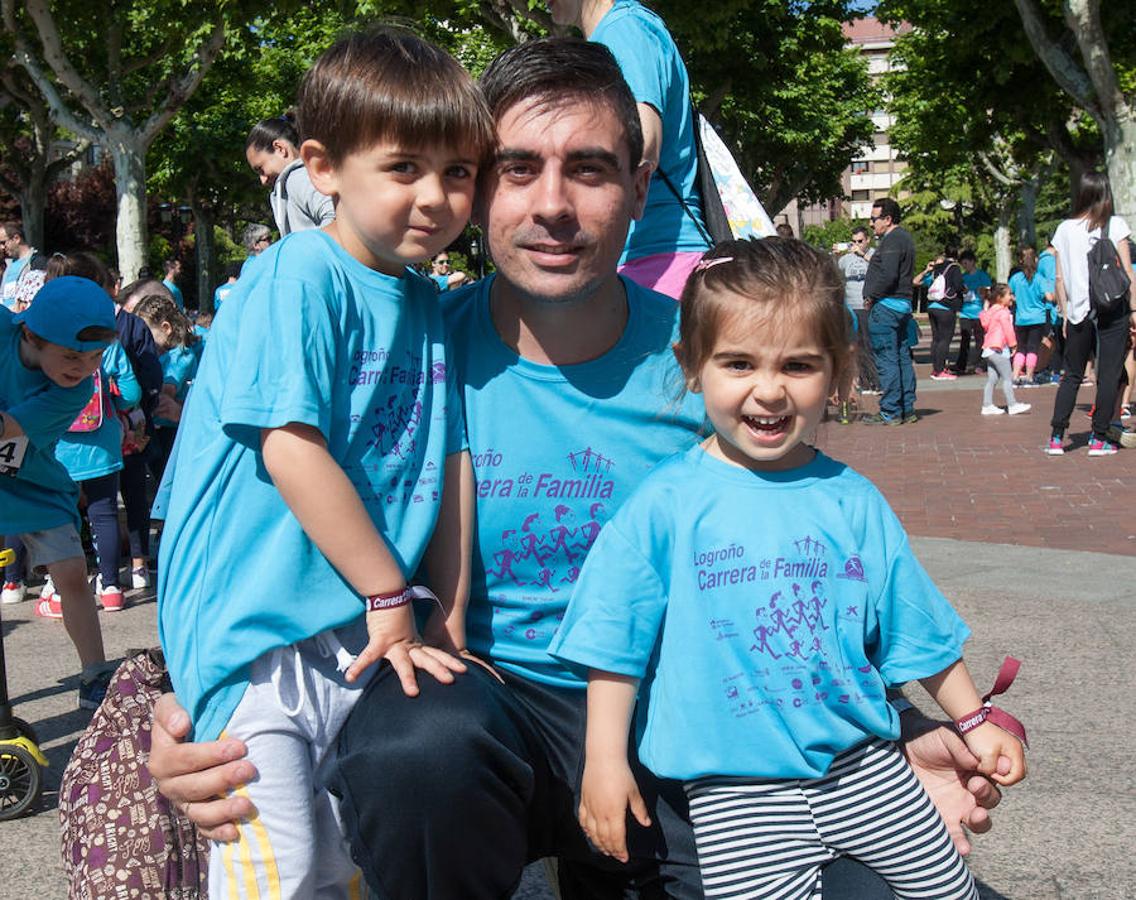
x: 206, y: 255
x: 1027, y: 212
x: 1120, y: 157
x: 129, y: 160
x: 1003, y: 254
x: 33, y: 198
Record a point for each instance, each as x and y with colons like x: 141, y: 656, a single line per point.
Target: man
x: 442, y: 276
x: 977, y: 282
x: 173, y: 270
x: 888, y: 289
x: 19, y: 252
x: 569, y: 390
x: 666, y: 243
x: 255, y: 238
x: 854, y: 267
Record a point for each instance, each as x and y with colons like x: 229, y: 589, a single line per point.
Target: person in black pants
x: 943, y: 310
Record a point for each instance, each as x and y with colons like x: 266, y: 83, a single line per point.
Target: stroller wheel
x: 21, y: 781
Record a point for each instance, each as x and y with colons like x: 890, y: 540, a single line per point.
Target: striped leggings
x: 770, y: 839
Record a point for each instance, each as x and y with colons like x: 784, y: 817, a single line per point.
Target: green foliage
x: 838, y: 231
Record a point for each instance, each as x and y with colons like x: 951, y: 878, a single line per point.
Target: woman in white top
x: 1084, y: 329
x: 272, y: 150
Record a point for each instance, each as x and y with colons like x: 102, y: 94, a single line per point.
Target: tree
x: 140, y: 62
x: 1096, y: 85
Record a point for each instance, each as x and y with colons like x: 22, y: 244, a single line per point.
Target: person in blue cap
x: 48, y: 354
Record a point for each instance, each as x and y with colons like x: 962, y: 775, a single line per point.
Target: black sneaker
x: 93, y: 690
x: 878, y: 419
x: 910, y: 418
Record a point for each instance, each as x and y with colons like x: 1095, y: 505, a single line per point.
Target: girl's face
x: 1007, y: 299
x: 162, y: 333
x: 765, y: 385
x: 268, y: 164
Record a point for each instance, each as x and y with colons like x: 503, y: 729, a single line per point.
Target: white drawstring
x: 298, y: 668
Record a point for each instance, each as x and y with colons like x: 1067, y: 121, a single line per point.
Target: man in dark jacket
x: 888, y: 290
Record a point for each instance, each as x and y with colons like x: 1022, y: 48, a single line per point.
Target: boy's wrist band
x: 401, y: 597
x: 988, y: 712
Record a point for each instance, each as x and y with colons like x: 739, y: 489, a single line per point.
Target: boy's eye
x: 460, y: 171
x: 404, y: 166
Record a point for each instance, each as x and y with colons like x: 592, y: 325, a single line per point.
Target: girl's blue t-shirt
x: 1029, y: 300
x: 766, y: 613
x: 92, y: 454
x: 179, y: 368
x: 1045, y: 281
x: 41, y: 495
x: 309, y: 336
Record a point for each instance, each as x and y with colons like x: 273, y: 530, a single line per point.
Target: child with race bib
x: 308, y: 473
x: 759, y: 597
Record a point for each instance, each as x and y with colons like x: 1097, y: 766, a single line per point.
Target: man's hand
x: 197, y: 778
x: 949, y: 773
x: 608, y: 791
x: 393, y: 637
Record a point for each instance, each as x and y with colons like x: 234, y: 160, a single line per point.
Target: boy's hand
x: 1001, y: 756
x: 607, y: 792
x: 394, y: 638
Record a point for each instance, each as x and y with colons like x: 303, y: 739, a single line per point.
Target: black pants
x: 942, y: 330
x: 1029, y: 337
x: 132, y: 482
x: 1109, y: 337
x: 102, y: 513
x: 869, y: 377
x: 971, y: 335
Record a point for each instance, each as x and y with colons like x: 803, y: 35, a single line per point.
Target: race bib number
x: 12, y: 452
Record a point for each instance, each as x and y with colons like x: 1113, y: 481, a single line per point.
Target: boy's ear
x: 321, y: 170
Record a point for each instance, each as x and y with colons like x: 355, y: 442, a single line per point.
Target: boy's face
x: 64, y: 366
x: 396, y: 206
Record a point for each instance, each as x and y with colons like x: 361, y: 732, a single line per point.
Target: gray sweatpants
x: 289, y: 717
x: 998, y: 369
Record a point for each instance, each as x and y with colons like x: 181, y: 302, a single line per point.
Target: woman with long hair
x: 273, y: 152
x: 1092, y: 221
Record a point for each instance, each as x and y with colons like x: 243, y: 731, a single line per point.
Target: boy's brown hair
x: 388, y: 84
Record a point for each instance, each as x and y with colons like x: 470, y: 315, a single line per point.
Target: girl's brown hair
x: 773, y: 280
x: 1027, y: 259
x: 155, y: 309
x: 997, y: 292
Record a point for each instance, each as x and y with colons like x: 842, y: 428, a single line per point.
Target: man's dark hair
x: 967, y: 254
x: 888, y: 207
x: 552, y: 70
x: 859, y: 229
x: 170, y: 264
x: 13, y: 229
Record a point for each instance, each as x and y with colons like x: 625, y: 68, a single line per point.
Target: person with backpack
x: 945, y: 295
x: 1093, y: 263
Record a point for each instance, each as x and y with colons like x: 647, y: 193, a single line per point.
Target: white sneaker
x: 993, y: 410
x: 1017, y: 408
x: 140, y: 578
x: 48, y: 590
x: 14, y: 592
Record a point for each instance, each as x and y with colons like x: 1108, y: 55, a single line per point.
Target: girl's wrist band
x: 401, y: 597
x: 988, y: 712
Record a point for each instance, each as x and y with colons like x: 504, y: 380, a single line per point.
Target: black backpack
x: 1108, y: 282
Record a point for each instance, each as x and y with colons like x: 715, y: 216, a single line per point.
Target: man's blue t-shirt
x: 176, y: 292
x: 41, y: 494
x: 11, y: 276
x: 766, y: 612
x: 309, y: 336
x: 555, y: 450
x: 442, y: 281
x: 972, y: 302
x: 91, y: 454
x: 1029, y: 302
x: 654, y: 70
x: 221, y: 294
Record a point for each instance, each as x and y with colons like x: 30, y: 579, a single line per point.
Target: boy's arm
x: 46, y: 415
x: 323, y: 499
x: 953, y: 689
x: 609, y: 787
x: 447, y: 560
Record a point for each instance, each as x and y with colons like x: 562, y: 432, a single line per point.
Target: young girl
x: 999, y: 342
x: 312, y: 461
x: 273, y: 151
x: 766, y: 596
x: 1029, y: 316
x: 180, y: 349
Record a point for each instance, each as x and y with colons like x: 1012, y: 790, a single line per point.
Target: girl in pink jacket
x: 997, y: 348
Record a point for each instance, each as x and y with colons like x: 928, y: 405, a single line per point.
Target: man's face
x: 969, y: 265
x: 860, y: 242
x: 8, y: 246
x: 560, y: 197
x: 880, y: 222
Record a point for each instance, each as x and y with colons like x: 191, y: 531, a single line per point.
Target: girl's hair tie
x: 710, y: 263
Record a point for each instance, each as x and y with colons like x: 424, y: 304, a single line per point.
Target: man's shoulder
x: 629, y: 20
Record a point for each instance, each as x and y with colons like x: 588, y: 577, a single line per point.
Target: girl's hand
x: 607, y: 792
x: 1001, y: 756
x: 394, y: 638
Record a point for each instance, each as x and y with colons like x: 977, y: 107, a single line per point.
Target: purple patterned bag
x: 121, y: 838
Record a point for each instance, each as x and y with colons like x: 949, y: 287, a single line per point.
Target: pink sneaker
x: 111, y: 599
x: 49, y: 607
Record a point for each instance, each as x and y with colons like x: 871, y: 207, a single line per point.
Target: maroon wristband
x: 988, y: 712
x: 392, y: 600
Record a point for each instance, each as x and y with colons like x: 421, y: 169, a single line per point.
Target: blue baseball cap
x: 63, y: 307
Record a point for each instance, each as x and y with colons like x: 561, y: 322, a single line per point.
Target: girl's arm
x: 609, y: 788
x: 323, y: 499
x: 954, y: 691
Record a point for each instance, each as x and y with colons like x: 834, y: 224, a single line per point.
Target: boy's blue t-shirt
x: 1029, y: 301
x: 766, y: 613
x: 41, y: 494
x: 309, y: 336
x: 972, y: 302
x: 179, y: 368
x: 654, y: 70
x: 92, y: 454
x: 555, y: 450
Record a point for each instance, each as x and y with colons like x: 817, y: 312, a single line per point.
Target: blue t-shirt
x: 176, y: 292
x: 1045, y: 281
x: 179, y: 368
x: 1029, y: 301
x: 314, y: 337
x: 221, y: 294
x: 555, y: 450
x: 11, y: 276
x: 972, y: 301
x: 442, y: 281
x: 654, y: 70
x: 41, y: 494
x: 766, y: 613
x: 92, y: 454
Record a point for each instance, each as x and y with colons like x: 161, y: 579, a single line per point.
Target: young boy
x: 47, y: 356
x: 308, y: 474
